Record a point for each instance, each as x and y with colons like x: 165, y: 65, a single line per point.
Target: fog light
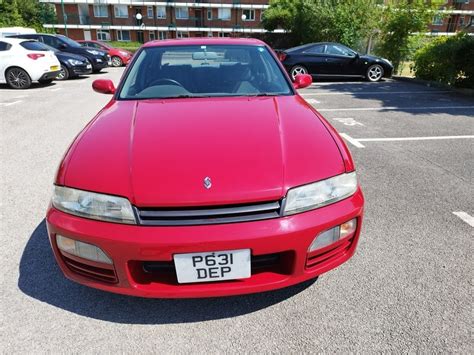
x: 333, y: 235
x: 82, y: 250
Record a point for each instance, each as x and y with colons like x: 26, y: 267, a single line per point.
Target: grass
x: 129, y: 46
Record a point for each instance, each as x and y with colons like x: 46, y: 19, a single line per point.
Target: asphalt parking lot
x: 407, y: 289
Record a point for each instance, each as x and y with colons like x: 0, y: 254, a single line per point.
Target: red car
x: 119, y: 57
x: 205, y: 175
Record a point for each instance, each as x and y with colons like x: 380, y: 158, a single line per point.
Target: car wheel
x: 45, y: 81
x: 96, y: 71
x: 17, y: 78
x: 296, y: 70
x: 374, y: 73
x: 116, y: 61
x: 63, y: 73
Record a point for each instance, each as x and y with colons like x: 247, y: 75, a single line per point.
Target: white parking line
x: 351, y: 140
x: 356, y: 141
x: 312, y: 101
x: 10, y: 103
x: 375, y: 93
x: 465, y: 217
x: 394, y: 108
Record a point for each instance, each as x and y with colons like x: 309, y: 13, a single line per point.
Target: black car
x: 333, y: 59
x: 98, y: 58
x: 72, y: 65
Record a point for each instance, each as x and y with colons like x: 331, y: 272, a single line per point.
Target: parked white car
x: 23, y: 61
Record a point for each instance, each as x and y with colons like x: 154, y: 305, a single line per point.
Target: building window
x: 249, y: 14
x: 182, y: 13
x: 224, y: 34
x: 261, y: 14
x: 151, y: 35
x: 161, y: 35
x: 101, y: 11
x: 103, y: 35
x: 182, y: 34
x: 149, y: 11
x: 437, y: 20
x: 161, y: 12
x: 121, y: 11
x: 223, y: 14
x: 123, y: 36
x: 210, y: 34
x: 209, y: 14
x: 461, y: 21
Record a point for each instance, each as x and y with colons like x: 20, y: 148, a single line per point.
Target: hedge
x: 448, y: 60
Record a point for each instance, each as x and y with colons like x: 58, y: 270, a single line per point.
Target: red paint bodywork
x: 156, y: 153
x: 112, y: 51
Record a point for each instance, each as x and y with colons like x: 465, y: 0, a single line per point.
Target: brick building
x: 456, y: 15
x: 142, y: 20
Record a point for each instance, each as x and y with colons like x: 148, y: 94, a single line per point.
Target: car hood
x: 83, y: 51
x: 373, y: 58
x: 65, y: 56
x: 158, y: 152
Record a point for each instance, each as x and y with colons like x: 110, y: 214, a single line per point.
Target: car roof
x: 204, y: 41
x: 12, y: 40
x: 303, y: 46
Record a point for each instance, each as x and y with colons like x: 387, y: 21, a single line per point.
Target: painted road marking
x: 374, y: 93
x: 10, y: 103
x: 465, y: 217
x: 348, y: 121
x: 394, y: 108
x: 55, y: 89
x: 351, y: 140
x: 356, y: 141
x: 312, y: 101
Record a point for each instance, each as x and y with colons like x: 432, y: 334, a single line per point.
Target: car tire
x: 63, y: 73
x: 117, y: 61
x: 298, y: 69
x: 374, y: 73
x: 96, y: 71
x: 17, y: 78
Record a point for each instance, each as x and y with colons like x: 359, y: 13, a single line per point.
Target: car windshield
x: 69, y: 41
x: 106, y: 45
x: 204, y: 71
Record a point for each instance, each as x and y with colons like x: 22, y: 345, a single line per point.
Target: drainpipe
x: 64, y: 17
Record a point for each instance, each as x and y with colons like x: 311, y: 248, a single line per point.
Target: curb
x: 434, y: 84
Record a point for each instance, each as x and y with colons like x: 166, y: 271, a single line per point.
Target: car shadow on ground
x: 41, y: 279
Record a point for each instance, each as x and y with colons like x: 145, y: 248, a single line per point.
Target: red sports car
x: 205, y: 175
x: 119, y: 57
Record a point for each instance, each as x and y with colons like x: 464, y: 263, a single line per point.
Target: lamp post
x: 64, y: 17
x: 243, y: 17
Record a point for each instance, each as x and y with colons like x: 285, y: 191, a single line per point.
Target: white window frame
x: 149, y: 12
x: 184, y: 16
x: 98, y: 12
x: 437, y: 20
x: 105, y: 32
x: 162, y: 35
x: 161, y: 12
x: 250, y: 13
x: 120, y: 36
x: 182, y: 34
x: 210, y: 34
x: 221, y: 11
x: 152, y: 35
x: 118, y: 14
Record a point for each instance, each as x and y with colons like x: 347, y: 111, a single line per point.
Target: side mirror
x: 302, y: 81
x: 104, y: 86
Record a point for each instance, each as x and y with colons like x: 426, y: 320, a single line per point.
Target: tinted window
x: 315, y: 50
x: 214, y: 70
x: 34, y: 46
x: 5, y: 46
x: 52, y: 41
x: 339, y: 50
x: 68, y: 41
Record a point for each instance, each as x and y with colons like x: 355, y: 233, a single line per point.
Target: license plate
x: 99, y: 60
x: 54, y: 67
x: 212, y: 266
x: 89, y: 66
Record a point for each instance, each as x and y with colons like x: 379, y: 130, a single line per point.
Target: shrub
x: 447, y: 60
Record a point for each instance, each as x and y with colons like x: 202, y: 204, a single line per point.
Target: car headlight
x: 321, y: 193
x: 74, y: 62
x: 93, y: 52
x: 93, y: 205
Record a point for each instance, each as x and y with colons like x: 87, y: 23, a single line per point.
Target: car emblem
x: 207, y: 182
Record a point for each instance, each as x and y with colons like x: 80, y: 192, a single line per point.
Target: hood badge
x: 207, y: 182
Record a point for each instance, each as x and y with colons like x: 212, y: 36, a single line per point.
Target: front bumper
x: 99, y: 63
x: 130, y: 246
x: 81, y: 70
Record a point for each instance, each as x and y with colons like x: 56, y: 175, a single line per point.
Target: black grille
x: 208, y: 215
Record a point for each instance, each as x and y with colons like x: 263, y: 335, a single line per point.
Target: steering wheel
x: 166, y: 80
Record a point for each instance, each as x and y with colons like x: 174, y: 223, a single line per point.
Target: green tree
x: 400, y: 20
x: 29, y: 13
x: 347, y: 21
x: 10, y: 14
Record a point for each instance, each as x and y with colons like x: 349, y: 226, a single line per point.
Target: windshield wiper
x: 261, y: 94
